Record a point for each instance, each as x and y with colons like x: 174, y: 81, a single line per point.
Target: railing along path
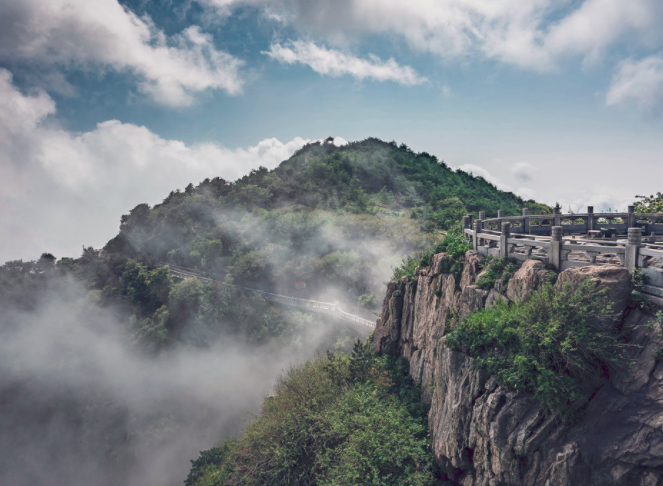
x: 313, y: 305
x: 572, y: 240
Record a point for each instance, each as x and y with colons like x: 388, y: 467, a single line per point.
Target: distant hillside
x: 331, y: 223
x: 340, y: 216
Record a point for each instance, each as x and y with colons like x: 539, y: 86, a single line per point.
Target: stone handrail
x: 314, y: 305
x: 590, y: 242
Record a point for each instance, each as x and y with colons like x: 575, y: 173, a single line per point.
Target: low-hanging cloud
x: 523, y: 172
x: 81, y: 407
x: 60, y: 190
x: 102, y: 35
x: 336, y: 63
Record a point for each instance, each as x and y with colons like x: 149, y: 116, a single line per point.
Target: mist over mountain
x: 115, y: 373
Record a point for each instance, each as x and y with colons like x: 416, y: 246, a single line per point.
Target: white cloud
x: 336, y: 63
x: 101, y: 34
x: 533, y: 34
x: 59, y: 190
x: 523, y: 172
x: 639, y: 82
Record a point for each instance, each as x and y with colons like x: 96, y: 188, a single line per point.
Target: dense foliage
x: 329, y: 216
x: 548, y: 345
x: 354, y: 420
x: 650, y: 204
x: 454, y: 245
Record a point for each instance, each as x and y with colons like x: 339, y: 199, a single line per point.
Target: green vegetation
x: 658, y: 353
x: 454, y: 245
x: 650, y: 204
x: 496, y: 269
x: 331, y: 217
x: 547, y: 345
x: 338, y: 420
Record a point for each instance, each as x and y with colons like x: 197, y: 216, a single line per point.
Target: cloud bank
x: 60, y: 190
x: 101, y: 35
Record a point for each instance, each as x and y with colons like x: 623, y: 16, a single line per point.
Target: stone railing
x: 570, y: 240
x: 312, y: 305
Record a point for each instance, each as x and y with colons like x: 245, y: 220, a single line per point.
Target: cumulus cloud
x: 102, y: 34
x: 533, y: 35
x: 59, y: 190
x: 639, y: 82
x: 336, y: 63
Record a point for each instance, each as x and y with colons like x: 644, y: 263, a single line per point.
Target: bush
x: 454, y: 245
x: 545, y: 346
x: 496, y: 269
x: 337, y: 420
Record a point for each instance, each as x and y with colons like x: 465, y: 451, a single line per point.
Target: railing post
x: 632, y: 245
x: 500, y: 214
x: 590, y: 218
x: 504, y: 245
x: 631, y: 217
x: 526, y: 229
x: 482, y: 215
x: 477, y: 229
x: 557, y: 217
x: 556, y: 244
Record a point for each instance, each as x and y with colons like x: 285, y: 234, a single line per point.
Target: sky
x: 107, y: 104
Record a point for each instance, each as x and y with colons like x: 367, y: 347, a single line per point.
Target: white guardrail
x: 313, y: 305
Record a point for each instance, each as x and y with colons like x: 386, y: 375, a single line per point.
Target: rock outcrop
x: 485, y: 435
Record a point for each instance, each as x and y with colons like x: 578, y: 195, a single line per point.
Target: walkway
x: 333, y: 310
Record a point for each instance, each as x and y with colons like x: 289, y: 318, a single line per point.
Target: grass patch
x: 545, y: 346
x: 338, y: 420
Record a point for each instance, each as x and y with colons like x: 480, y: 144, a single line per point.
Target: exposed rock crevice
x: 485, y: 435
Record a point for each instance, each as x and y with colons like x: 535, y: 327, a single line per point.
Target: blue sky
x: 104, y: 105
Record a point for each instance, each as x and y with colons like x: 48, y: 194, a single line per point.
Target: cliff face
x: 483, y: 434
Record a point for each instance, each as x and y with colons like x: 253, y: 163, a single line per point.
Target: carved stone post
x: 631, y: 217
x: 500, y: 214
x: 478, y: 228
x: 556, y: 245
x: 482, y: 215
x: 633, y: 244
x: 557, y: 216
x: 504, y: 246
x: 590, y: 218
x: 526, y: 229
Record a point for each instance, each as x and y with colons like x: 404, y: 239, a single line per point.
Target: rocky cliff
x: 485, y: 435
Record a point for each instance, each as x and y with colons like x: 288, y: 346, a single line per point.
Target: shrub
x: 454, y: 245
x: 545, y: 346
x: 496, y: 269
x: 337, y: 420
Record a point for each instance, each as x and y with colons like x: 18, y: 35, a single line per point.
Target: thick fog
x: 79, y: 406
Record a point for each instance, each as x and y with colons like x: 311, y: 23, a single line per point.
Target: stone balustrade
x: 567, y: 240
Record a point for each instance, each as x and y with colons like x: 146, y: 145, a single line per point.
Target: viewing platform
x: 571, y: 240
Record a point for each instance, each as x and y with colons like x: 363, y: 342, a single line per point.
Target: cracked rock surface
x: 485, y: 435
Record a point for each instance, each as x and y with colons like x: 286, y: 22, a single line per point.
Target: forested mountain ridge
x: 339, y: 216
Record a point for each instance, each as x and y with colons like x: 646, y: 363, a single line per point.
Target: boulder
x: 472, y: 299
x: 531, y: 276
x: 615, y: 278
x: 493, y: 297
